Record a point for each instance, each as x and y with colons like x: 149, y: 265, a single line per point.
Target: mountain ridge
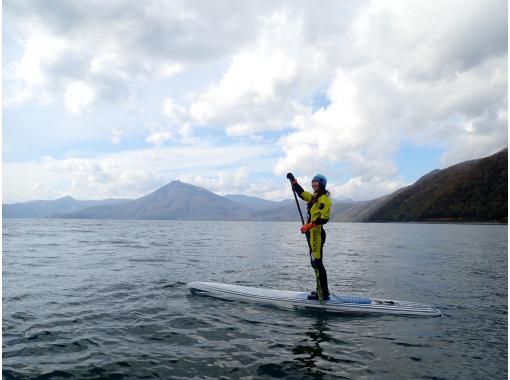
x: 478, y: 188
x: 174, y: 201
x: 474, y: 190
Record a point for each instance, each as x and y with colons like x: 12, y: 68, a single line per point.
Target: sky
x: 114, y: 99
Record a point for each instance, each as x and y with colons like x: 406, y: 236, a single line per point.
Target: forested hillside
x: 474, y: 190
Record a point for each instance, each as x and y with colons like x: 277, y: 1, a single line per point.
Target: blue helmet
x: 321, y: 179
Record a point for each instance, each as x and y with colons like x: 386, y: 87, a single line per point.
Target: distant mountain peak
x: 177, y: 185
x: 66, y: 198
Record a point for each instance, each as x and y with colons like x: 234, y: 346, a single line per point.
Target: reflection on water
x: 310, y: 349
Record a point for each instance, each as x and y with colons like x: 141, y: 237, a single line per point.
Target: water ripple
x: 108, y: 301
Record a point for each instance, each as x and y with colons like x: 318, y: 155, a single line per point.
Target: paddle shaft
x: 297, y: 203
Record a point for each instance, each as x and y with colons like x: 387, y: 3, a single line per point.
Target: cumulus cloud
x: 176, y: 126
x: 265, y: 83
x: 131, y: 174
x: 414, y: 75
x: 78, y: 96
x: 158, y: 138
x: 114, y: 46
x: 228, y: 182
x: 39, y: 52
x: 177, y: 114
x: 51, y: 178
x: 116, y: 136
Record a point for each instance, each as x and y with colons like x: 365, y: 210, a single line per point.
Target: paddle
x: 319, y: 288
x: 297, y: 204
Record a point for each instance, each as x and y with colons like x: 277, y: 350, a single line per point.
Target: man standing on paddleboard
x: 319, y: 206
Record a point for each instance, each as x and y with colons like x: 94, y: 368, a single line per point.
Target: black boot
x: 314, y: 296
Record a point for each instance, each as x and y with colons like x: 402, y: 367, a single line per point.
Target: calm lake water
x: 107, y: 300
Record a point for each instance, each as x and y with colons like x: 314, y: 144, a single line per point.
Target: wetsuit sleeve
x: 297, y: 188
x: 306, y: 196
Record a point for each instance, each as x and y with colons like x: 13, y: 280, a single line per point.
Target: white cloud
x: 50, y: 178
x: 117, y: 46
x: 26, y: 78
x: 103, y: 177
x: 178, y: 115
x: 411, y: 75
x: 262, y: 88
x: 167, y: 70
x: 130, y: 174
x: 341, y: 132
x: 78, y: 96
x: 360, y: 189
x: 225, y: 182
x: 116, y: 136
x: 159, y: 138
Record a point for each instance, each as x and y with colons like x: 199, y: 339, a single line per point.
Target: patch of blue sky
x: 219, y: 134
x: 414, y: 161
x: 49, y: 130
x: 274, y: 136
x: 338, y: 173
x: 91, y: 149
x: 320, y: 100
x: 342, y: 177
x: 11, y: 47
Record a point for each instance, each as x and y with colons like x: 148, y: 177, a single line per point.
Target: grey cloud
x: 141, y: 35
x: 61, y: 15
x: 180, y: 30
x: 203, y: 34
x: 482, y: 33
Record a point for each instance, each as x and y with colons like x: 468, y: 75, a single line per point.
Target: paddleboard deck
x: 336, y: 304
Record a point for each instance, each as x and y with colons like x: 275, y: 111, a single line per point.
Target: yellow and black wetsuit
x: 319, y: 207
